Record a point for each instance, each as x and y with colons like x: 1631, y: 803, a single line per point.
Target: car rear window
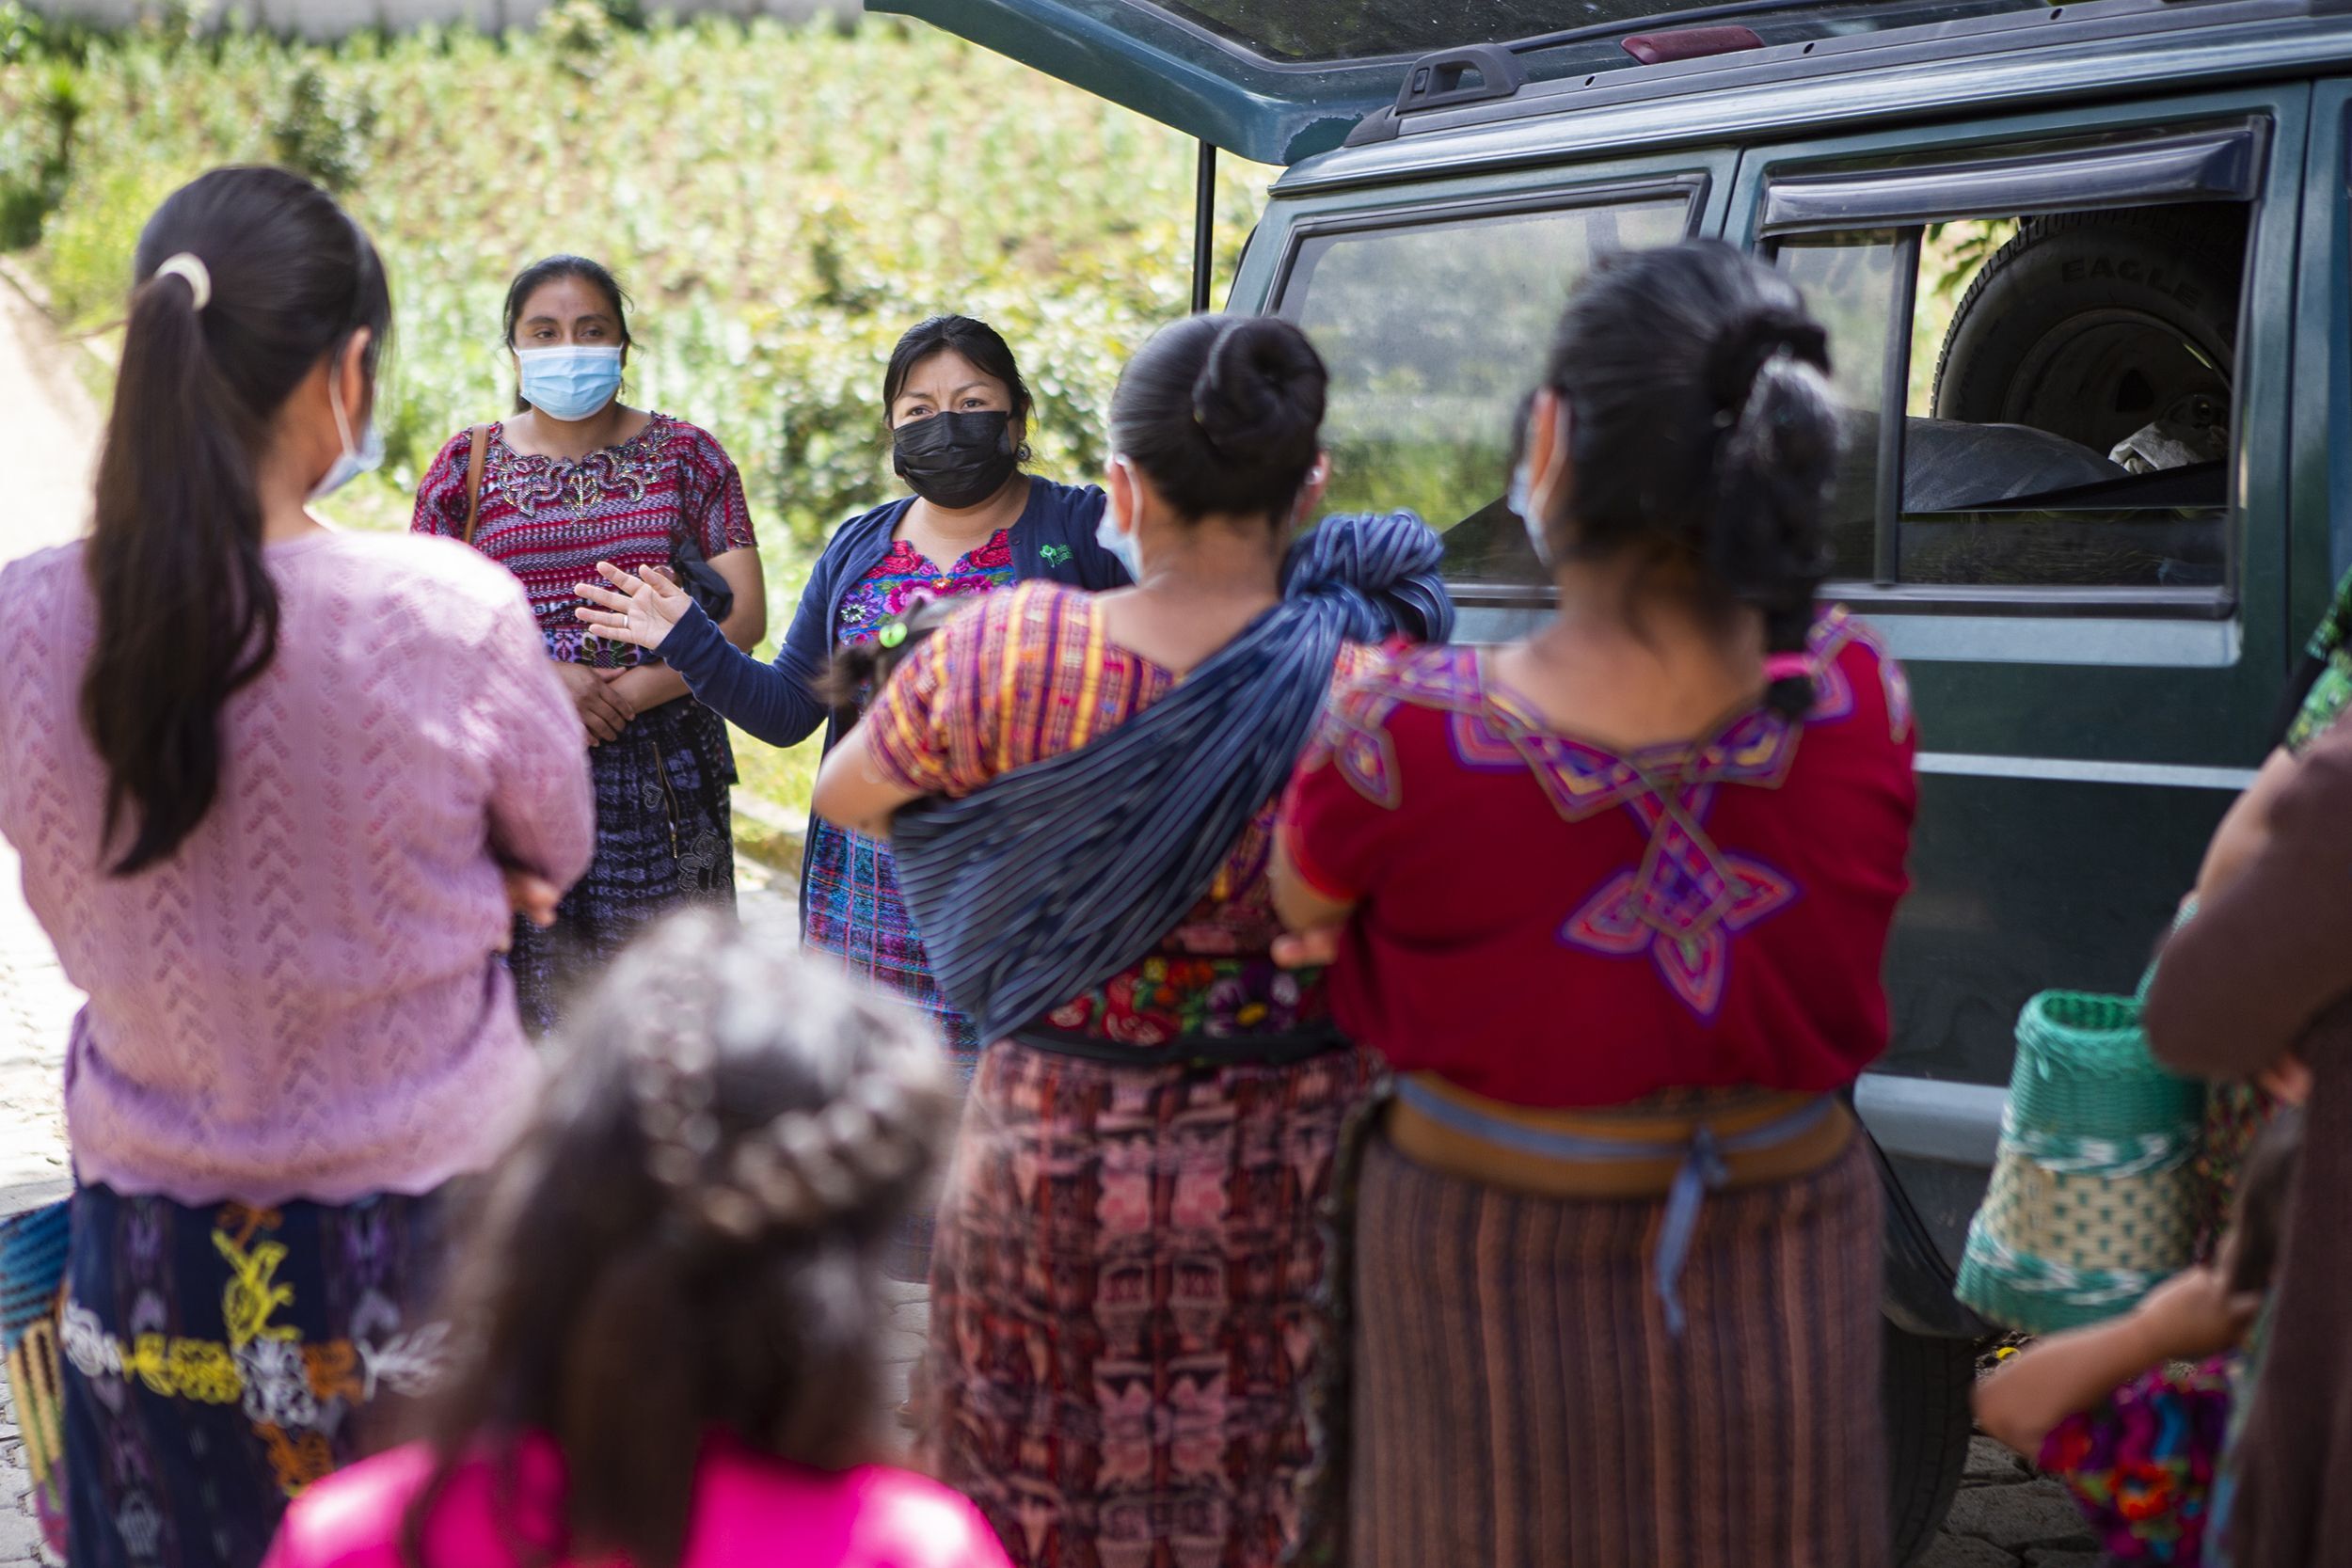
x: 2036, y: 402
x: 1434, y: 331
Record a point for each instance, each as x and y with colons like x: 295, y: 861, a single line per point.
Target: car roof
x: 1280, y: 82
x: 2068, y: 54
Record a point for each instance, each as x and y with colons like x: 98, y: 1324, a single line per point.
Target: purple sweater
x: 305, y: 1001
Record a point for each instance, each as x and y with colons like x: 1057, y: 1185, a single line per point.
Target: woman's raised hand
x: 639, y: 609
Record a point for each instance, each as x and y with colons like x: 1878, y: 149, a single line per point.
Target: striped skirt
x: 1518, y: 1400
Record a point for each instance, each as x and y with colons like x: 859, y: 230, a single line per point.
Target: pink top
x: 749, y: 1510
x: 304, y: 1000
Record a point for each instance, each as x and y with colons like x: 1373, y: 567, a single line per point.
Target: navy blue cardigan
x: 778, y: 703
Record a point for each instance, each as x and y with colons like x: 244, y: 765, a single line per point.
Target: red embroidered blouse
x: 1547, y: 922
x: 549, y: 520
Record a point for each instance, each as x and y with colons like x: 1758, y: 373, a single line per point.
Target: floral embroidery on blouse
x: 850, y: 894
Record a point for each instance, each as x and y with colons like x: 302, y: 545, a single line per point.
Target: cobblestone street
x: 2003, y: 1518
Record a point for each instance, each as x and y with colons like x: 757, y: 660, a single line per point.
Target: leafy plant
x: 777, y: 199
x: 323, y: 131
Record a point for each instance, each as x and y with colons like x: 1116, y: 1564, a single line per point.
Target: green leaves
x: 783, y: 202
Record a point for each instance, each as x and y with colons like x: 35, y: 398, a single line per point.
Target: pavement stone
x: 1992, y: 1462
x: 1961, y: 1551
x: 2030, y: 1513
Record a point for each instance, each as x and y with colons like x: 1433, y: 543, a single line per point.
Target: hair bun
x: 1259, y: 399
x: 1741, y: 350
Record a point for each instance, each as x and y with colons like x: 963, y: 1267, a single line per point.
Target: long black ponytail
x: 1703, y: 429
x: 186, y: 612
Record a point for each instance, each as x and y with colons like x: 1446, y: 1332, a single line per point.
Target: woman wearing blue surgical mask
x: 575, y: 477
x: 958, y: 413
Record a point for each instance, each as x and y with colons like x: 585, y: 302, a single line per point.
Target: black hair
x: 186, y: 612
x: 1223, y: 414
x: 858, y: 668
x: 689, y: 1237
x: 1703, y: 431
x: 976, y: 341
x: 554, y: 269
x: 2258, y: 1218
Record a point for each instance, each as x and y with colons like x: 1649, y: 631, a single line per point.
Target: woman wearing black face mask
x: 957, y: 412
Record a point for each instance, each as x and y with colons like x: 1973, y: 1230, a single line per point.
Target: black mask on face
x: 955, y: 460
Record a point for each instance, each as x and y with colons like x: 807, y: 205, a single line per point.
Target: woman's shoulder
x: 885, y: 1516
x: 1067, y: 505
x: 455, y: 454
x: 1857, y: 681
x: 443, y: 589
x: 683, y: 439
x: 355, y: 1517
x: 1381, y: 684
x: 42, y: 576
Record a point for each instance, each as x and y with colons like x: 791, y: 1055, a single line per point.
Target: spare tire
x: 2091, y: 325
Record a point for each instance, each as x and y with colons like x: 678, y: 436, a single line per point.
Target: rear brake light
x: 1690, y: 44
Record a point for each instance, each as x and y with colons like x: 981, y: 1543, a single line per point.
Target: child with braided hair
x: 670, y: 1294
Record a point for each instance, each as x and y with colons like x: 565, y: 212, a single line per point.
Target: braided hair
x: 688, y: 1237
x: 1704, y: 430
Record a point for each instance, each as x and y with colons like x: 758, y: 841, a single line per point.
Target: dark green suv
x: 2085, y: 270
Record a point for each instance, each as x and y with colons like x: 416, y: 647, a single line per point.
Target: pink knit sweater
x: 304, y: 1000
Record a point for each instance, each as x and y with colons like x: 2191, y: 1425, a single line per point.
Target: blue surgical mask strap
x: 1120, y: 541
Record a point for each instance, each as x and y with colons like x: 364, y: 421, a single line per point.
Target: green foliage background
x: 781, y: 201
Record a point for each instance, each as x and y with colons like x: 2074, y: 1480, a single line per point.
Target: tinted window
x: 1435, y: 332
x: 2064, y: 420
x: 1849, y: 280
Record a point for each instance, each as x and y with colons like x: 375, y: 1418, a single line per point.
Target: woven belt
x: 1194, y: 1050
x: 1628, y: 1152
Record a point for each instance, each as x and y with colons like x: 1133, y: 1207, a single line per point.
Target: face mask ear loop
x: 343, y: 420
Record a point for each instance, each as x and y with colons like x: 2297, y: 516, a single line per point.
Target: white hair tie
x: 199, y: 280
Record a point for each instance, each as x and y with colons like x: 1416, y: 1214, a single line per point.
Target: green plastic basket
x: 2083, y: 1070
x: 2092, y: 1200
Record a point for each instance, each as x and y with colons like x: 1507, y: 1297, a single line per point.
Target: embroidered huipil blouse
x: 550, y: 520
x: 1549, y: 922
x: 849, y: 901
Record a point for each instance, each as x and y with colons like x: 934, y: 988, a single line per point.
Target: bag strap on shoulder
x: 474, y: 461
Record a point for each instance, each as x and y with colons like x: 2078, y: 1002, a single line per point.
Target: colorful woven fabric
x: 1519, y: 1399
x: 2327, y: 663
x: 665, y: 841
x: 220, y: 1359
x: 2143, y: 1464
x: 549, y: 520
x: 1141, y: 815
x: 1718, y: 910
x: 849, y: 901
x: 33, y: 1249
x: 1120, y: 1330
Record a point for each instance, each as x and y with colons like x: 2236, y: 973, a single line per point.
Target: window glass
x: 2066, y: 414
x: 1849, y: 281
x: 1434, y: 333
